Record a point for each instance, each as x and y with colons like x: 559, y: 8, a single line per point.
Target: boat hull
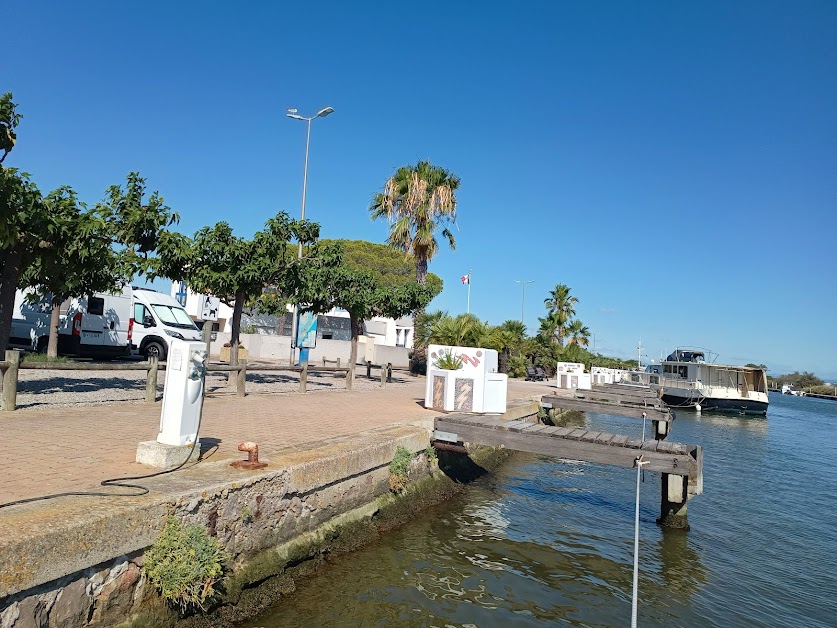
x: 736, y: 406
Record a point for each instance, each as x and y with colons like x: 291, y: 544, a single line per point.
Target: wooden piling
x: 241, y: 377
x: 673, y: 498
x: 10, y: 380
x: 350, y: 377
x: 151, y: 380
x: 383, y: 377
x: 303, y: 377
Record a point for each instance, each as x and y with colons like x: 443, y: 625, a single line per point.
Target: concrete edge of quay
x: 46, y: 541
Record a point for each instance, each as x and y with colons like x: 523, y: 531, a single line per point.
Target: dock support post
x: 368, y: 369
x: 673, y: 497
x: 661, y: 429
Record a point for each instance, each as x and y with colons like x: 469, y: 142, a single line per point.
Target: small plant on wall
x: 399, y: 469
x: 448, y: 361
x: 185, y: 563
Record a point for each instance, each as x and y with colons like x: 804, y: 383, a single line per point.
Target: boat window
x: 681, y: 371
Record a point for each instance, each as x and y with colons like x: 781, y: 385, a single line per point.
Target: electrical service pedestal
x: 182, y: 404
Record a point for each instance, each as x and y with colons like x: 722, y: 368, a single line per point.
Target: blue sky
x: 674, y: 163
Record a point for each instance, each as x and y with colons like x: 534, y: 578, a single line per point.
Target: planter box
x: 225, y: 353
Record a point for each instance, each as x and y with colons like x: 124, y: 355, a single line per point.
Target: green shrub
x: 43, y: 357
x: 185, y: 563
x: 248, y: 329
x: 399, y: 468
x: 447, y: 361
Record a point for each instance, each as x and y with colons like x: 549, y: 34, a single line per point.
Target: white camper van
x: 95, y: 326
x: 29, y: 319
x: 159, y: 318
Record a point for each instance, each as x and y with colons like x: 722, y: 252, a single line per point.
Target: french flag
x: 466, y: 278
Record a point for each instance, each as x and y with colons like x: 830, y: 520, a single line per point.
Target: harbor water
x: 545, y: 541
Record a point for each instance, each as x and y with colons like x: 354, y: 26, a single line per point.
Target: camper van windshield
x: 174, y: 316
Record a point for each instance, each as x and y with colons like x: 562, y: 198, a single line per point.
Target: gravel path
x: 69, y: 389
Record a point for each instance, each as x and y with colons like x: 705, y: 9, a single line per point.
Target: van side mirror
x: 148, y: 321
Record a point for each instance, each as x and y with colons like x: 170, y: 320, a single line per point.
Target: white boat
x: 787, y: 389
x: 688, y: 381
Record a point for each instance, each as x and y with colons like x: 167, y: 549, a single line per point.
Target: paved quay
x: 54, y: 450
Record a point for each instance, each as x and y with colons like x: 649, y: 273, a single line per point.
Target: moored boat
x: 688, y: 381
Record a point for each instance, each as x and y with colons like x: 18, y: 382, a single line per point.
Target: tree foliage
x: 330, y: 281
x: 9, y: 119
x: 238, y: 270
x: 77, y: 257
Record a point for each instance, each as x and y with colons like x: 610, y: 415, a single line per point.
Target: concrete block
x: 156, y: 454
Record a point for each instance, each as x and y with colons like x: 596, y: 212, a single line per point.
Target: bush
x: 185, y: 563
x: 43, y: 357
x: 447, y: 361
x: 399, y: 468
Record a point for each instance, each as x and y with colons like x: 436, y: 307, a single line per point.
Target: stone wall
x: 251, y: 519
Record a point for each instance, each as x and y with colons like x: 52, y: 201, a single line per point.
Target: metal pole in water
x: 634, y: 598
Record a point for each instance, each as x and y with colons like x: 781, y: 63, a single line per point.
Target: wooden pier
x: 680, y: 464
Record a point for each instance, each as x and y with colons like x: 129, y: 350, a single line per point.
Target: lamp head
x: 322, y: 113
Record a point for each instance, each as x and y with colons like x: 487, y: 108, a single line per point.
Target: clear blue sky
x: 675, y: 163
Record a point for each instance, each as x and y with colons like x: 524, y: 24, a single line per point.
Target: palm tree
x: 578, y: 333
x: 418, y: 201
x: 561, y: 308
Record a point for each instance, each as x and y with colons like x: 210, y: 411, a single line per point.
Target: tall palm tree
x: 560, y: 310
x: 418, y: 201
x: 578, y: 333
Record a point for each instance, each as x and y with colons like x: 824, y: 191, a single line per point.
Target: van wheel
x: 156, y: 350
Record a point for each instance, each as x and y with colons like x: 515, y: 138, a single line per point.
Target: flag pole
x: 469, y: 292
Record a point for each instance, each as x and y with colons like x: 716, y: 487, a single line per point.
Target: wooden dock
x: 574, y: 444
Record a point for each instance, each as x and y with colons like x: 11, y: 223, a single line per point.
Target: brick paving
x: 69, y: 449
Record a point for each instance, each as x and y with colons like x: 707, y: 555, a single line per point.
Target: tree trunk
x: 12, y: 267
x: 418, y: 363
x: 54, y: 321
x: 355, y: 325
x: 238, y: 308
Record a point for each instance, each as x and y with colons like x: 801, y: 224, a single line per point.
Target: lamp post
x: 292, y: 113
x: 523, y: 297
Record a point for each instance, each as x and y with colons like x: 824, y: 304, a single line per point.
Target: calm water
x: 543, y: 541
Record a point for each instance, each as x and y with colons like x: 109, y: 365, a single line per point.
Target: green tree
x: 78, y: 258
x: 328, y: 281
x: 23, y: 223
x: 578, y: 333
x: 560, y: 310
x: 238, y: 270
x: 9, y: 119
x: 418, y: 201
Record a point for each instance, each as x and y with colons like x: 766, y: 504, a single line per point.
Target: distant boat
x: 787, y: 389
x: 688, y: 381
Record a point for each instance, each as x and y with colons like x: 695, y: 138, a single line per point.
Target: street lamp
x: 523, y: 297
x: 292, y: 113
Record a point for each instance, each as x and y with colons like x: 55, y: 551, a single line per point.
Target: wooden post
x: 661, y: 429
x: 368, y: 369
x: 383, y: 377
x: 673, y: 498
x: 338, y: 362
x: 10, y: 380
x: 389, y: 372
x: 151, y: 380
x: 350, y: 378
x: 303, y: 378
x: 241, y: 378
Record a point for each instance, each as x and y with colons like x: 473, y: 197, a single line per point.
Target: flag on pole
x: 466, y: 278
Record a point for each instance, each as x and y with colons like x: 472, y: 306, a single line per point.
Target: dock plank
x: 560, y: 446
